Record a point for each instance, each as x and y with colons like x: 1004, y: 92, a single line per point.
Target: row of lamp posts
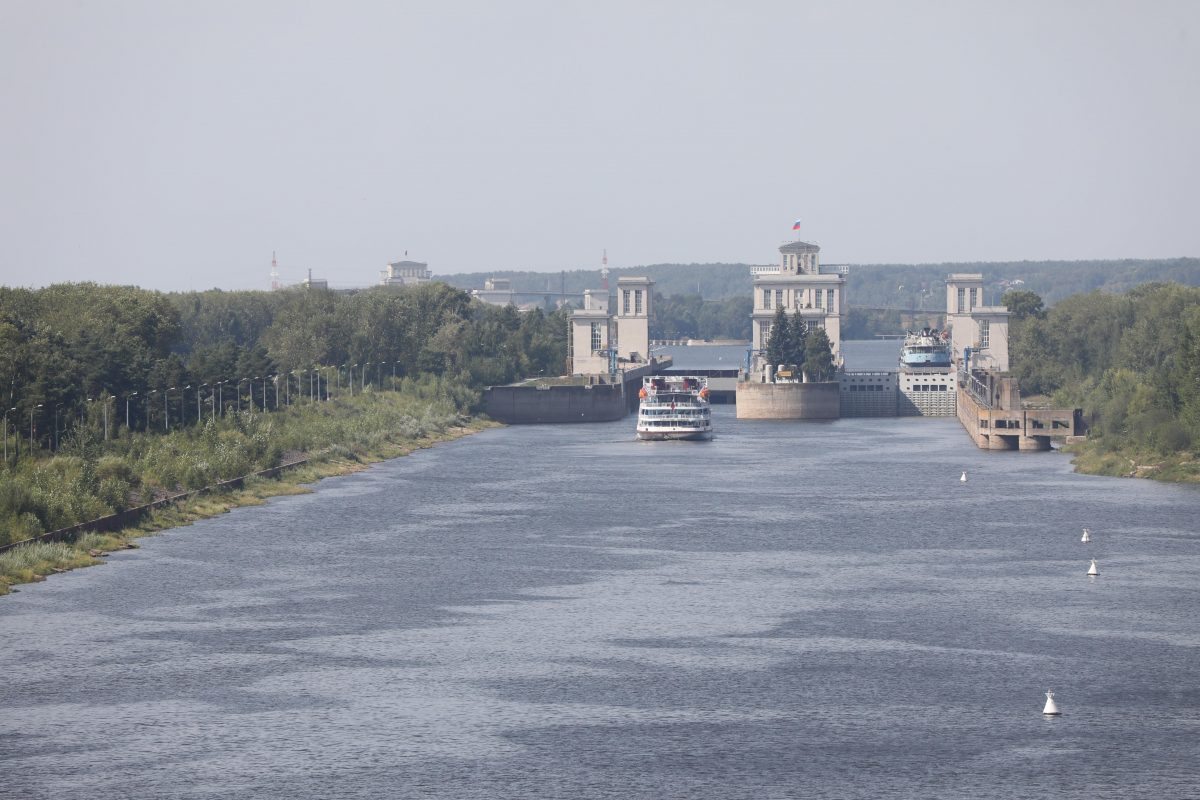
x: 314, y: 394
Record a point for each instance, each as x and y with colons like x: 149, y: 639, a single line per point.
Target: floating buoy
x: 1092, y: 570
x: 1087, y: 536
x: 963, y: 478
x: 1051, y: 709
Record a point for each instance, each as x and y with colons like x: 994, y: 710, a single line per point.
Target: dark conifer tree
x: 818, y: 362
x: 778, y: 342
x: 797, y: 331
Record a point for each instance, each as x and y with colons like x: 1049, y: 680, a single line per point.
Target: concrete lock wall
x: 522, y: 405
x: 788, y: 400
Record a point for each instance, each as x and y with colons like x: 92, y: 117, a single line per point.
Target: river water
x: 789, y: 611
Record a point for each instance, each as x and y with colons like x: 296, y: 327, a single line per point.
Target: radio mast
x: 274, y: 272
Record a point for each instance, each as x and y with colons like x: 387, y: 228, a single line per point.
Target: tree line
x: 120, y: 356
x: 881, y: 298
x: 1130, y: 360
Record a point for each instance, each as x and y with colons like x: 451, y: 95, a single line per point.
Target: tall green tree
x: 797, y: 331
x: 1022, y: 304
x: 818, y: 362
x: 778, y: 347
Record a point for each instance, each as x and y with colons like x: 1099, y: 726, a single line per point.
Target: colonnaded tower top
x: 798, y: 285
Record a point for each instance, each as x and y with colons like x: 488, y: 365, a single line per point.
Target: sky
x: 175, y: 144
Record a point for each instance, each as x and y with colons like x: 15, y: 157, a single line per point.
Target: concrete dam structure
x: 990, y: 410
x: 818, y: 401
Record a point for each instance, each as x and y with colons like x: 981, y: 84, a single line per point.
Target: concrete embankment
x: 522, y: 405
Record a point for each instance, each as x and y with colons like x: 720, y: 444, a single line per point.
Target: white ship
x: 674, y: 407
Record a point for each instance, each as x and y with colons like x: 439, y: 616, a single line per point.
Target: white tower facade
x: 634, y: 299
x: 982, y: 328
x: 798, y: 286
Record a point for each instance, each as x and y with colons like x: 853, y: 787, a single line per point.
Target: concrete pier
x: 788, y: 400
x: 989, y: 408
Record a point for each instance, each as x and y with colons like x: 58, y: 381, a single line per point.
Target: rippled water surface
x: 788, y: 611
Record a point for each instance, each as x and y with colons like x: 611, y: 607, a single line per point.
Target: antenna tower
x: 274, y: 272
x: 604, y: 271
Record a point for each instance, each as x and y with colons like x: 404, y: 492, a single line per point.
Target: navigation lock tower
x: 634, y: 296
x: 980, y: 327
x: 797, y: 284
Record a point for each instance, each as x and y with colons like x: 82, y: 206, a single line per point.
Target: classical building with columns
x: 798, y: 286
x: 982, y: 328
x: 604, y: 340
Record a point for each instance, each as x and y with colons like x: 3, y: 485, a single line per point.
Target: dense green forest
x: 116, y: 394
x: 1130, y: 360
x: 690, y: 317
x: 65, y: 347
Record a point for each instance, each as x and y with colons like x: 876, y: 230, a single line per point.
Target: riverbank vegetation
x: 89, y: 478
x: 1131, y: 361
x: 116, y: 396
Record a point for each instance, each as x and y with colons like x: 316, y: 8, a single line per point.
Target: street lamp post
x: 127, y: 399
x: 182, y: 418
x: 104, y: 403
x: 39, y: 405
x: 198, y: 388
x: 57, y: 406
x: 275, y: 382
x: 6, y: 435
x: 352, y: 366
x: 264, y: 393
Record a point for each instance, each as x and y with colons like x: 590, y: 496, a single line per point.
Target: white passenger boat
x: 674, y: 407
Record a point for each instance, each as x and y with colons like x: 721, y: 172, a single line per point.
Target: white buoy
x: 1051, y: 709
x: 1087, y: 536
x: 963, y: 478
x: 1092, y: 570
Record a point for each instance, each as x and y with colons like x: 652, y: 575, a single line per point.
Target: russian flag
x: 796, y: 225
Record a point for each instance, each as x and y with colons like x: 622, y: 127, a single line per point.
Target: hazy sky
x: 176, y: 144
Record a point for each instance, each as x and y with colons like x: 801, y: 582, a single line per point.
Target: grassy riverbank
x: 1093, y: 459
x: 91, y: 479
